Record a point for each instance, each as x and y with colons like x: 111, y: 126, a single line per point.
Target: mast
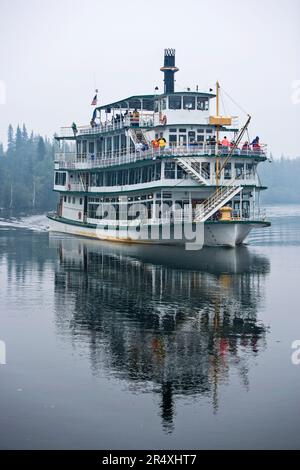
x: 217, y: 133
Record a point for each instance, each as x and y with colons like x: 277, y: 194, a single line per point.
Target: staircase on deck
x: 192, y: 166
x: 137, y: 136
x: 217, y: 200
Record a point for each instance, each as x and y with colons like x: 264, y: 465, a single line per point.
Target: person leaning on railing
x: 256, y: 145
x: 135, y: 118
x: 162, y: 143
x: 155, y: 144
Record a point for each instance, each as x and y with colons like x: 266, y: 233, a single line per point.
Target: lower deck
x: 164, y: 203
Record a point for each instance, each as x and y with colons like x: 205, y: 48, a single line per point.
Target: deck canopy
x: 139, y: 102
x: 146, y: 102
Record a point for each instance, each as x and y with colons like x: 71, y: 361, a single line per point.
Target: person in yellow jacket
x: 162, y: 143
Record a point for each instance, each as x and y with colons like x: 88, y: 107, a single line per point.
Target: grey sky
x: 53, y: 54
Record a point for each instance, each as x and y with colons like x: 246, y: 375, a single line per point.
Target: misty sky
x: 53, y: 54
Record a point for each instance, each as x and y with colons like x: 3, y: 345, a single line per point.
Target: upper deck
x: 146, y: 111
x: 74, y: 161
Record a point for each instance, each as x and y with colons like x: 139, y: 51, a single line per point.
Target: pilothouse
x: 160, y: 168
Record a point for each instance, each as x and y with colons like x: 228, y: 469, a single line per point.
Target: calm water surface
x: 116, y: 346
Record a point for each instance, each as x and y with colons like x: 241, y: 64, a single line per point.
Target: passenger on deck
x: 74, y: 128
x: 162, y: 143
x: 246, y: 147
x: 255, y: 144
x: 135, y: 118
x: 139, y: 146
x: 225, y: 142
x: 236, y: 150
x: 155, y: 144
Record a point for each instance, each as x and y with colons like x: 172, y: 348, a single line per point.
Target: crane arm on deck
x: 237, y: 142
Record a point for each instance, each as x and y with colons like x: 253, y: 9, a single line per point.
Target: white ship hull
x: 215, y: 233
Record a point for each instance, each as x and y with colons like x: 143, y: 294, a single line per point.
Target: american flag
x: 95, y: 99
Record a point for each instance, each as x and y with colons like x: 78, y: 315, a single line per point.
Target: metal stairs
x: 137, y: 136
x: 213, y: 203
x: 192, y: 166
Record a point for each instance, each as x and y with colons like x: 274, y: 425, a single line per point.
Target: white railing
x: 144, y: 120
x: 71, y: 160
x: 79, y: 187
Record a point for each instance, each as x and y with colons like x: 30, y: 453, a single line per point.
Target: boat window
x: 189, y: 102
x: 80, y: 201
x: 98, y: 145
x: 156, y: 107
x: 200, y: 138
x: 163, y: 103
x: 192, y: 136
x: 227, y: 171
x: 239, y: 169
x: 108, y: 144
x: 182, y: 130
x: 200, y: 131
x: 116, y: 142
x: 175, y: 102
x: 202, y: 103
x: 73, y: 201
x: 172, y: 130
x: 182, y: 139
x: 148, y: 104
x: 249, y: 170
x: 170, y: 170
x: 157, y: 171
x: 91, y: 147
x: 173, y: 140
x: 206, y: 168
x: 208, y: 131
x: 123, y: 141
x: 181, y: 173
x: 60, y: 179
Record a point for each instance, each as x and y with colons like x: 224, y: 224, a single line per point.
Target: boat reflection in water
x: 163, y: 319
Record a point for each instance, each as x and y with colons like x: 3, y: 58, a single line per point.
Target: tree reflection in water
x: 161, y: 318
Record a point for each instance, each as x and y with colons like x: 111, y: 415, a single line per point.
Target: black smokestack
x: 169, y: 70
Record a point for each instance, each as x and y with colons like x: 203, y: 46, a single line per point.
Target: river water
x: 123, y: 346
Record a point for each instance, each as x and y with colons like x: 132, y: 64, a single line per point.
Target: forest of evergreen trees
x: 26, y: 172
x: 281, y: 178
x: 26, y: 175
